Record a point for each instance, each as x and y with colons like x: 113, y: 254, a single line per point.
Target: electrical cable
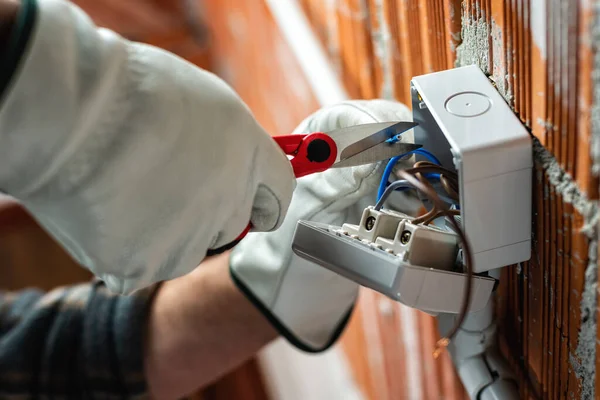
x: 428, y: 155
x: 387, y: 172
x: 426, y: 166
x: 428, y: 190
x: 402, y: 185
x: 450, y: 187
x: 431, y: 170
x: 411, y: 178
x: 416, y: 178
x: 446, y: 176
x: 437, y: 215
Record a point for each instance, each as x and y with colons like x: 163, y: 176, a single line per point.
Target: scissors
x: 346, y: 147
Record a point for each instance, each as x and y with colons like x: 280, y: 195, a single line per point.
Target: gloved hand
x: 135, y: 160
x: 307, y: 303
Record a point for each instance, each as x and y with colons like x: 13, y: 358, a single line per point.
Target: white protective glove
x: 308, y: 304
x: 135, y: 160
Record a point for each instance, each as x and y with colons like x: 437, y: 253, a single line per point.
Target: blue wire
x: 428, y: 155
x: 393, y: 161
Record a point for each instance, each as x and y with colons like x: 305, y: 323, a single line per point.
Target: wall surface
x: 543, y: 58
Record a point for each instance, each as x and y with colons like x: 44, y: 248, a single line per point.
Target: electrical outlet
x: 394, y: 233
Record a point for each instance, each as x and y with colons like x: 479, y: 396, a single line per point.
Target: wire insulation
x: 415, y: 178
x: 402, y: 185
x: 394, y: 160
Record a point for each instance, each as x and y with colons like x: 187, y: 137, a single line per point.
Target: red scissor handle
x: 312, y: 153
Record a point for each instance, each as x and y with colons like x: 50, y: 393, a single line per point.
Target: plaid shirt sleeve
x: 78, y: 341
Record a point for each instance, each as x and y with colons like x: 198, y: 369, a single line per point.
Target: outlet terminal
x: 394, y: 233
x: 423, y: 245
x: 374, y: 224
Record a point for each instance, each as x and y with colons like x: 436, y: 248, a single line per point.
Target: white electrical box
x: 469, y: 127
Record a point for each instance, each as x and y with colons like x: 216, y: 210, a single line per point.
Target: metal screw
x: 370, y: 223
x: 405, y: 237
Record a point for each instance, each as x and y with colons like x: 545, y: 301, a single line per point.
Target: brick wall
x: 542, y: 56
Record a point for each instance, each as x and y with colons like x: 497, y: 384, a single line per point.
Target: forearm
x: 201, y: 326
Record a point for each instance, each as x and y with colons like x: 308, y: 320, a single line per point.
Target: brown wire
x: 429, y: 164
x: 450, y: 187
x: 442, y: 208
x: 437, y: 168
x: 449, y: 183
x: 426, y: 216
x: 432, y: 169
x: 448, y: 180
x: 434, y: 210
x: 438, y: 214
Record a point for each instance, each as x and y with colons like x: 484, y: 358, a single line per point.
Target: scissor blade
x: 380, y: 152
x: 356, y: 139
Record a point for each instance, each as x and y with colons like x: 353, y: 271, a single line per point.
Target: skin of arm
x: 200, y: 327
x: 8, y: 14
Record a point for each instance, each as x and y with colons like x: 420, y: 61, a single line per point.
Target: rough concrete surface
x: 474, y: 48
x: 498, y: 70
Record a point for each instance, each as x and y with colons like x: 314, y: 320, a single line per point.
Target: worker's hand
x: 307, y: 303
x: 135, y: 160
